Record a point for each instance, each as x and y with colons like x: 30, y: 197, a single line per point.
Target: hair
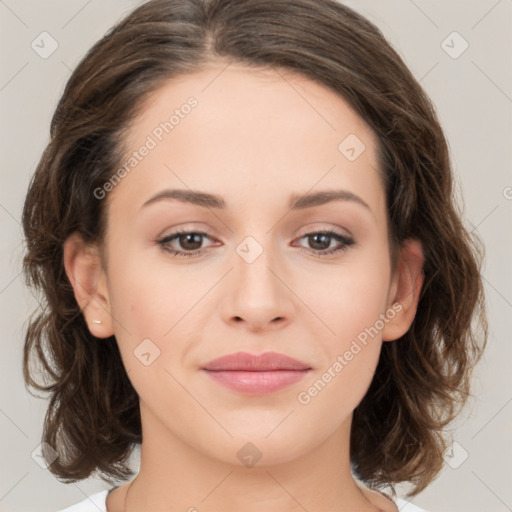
x: 421, y: 381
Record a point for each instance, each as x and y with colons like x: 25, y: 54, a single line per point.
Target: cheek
x: 350, y: 310
x: 348, y: 298
x: 155, y: 318
x: 332, y: 394
x: 149, y: 300
x: 349, y: 301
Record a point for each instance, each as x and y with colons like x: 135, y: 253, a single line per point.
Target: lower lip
x: 257, y: 383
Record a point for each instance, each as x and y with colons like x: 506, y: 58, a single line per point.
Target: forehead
x: 265, y: 130
x: 259, y: 100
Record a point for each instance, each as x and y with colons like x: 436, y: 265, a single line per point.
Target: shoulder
x: 93, y: 503
x: 407, y: 506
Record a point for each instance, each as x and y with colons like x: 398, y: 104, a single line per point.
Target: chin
x: 258, y: 449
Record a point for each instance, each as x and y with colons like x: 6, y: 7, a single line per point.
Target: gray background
x: 473, y: 96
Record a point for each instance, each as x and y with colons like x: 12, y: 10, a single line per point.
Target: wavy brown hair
x: 421, y: 381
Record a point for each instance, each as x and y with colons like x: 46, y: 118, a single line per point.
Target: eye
x: 190, y: 242
x: 320, y: 242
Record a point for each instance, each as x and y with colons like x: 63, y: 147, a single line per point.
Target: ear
x: 84, y: 269
x: 405, y: 290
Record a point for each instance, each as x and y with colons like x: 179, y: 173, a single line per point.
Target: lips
x: 256, y: 375
x: 268, y: 361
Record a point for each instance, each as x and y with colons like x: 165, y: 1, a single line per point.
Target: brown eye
x: 319, y: 242
x: 188, y: 242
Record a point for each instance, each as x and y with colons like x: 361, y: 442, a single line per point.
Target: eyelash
x: 346, y: 242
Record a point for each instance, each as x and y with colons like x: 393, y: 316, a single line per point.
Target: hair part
x: 421, y: 381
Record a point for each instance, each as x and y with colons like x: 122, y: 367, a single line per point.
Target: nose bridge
x: 254, y: 264
x: 257, y: 294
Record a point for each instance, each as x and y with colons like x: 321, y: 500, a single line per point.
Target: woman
x: 244, y: 228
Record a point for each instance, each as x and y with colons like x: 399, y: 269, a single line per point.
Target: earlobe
x: 405, y: 290
x: 84, y: 270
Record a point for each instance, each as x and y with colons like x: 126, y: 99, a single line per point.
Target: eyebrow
x: 296, y: 202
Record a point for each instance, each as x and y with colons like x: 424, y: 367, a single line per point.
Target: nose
x: 258, y: 296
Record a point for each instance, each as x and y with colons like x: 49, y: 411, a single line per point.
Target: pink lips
x: 250, y: 374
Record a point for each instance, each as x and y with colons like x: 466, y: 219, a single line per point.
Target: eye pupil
x: 315, y: 237
x: 189, y: 243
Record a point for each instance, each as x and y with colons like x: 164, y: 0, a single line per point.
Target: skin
x: 256, y: 137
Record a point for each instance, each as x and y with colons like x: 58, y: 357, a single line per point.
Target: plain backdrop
x: 472, y: 92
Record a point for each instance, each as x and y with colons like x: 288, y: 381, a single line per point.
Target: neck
x: 174, y: 477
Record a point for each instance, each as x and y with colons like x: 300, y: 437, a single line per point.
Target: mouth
x: 256, y: 374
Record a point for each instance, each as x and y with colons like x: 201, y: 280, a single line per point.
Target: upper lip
x: 243, y: 361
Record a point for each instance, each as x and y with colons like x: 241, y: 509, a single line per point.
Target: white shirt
x: 97, y: 503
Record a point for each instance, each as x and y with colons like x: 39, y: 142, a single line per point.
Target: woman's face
x: 257, y: 276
